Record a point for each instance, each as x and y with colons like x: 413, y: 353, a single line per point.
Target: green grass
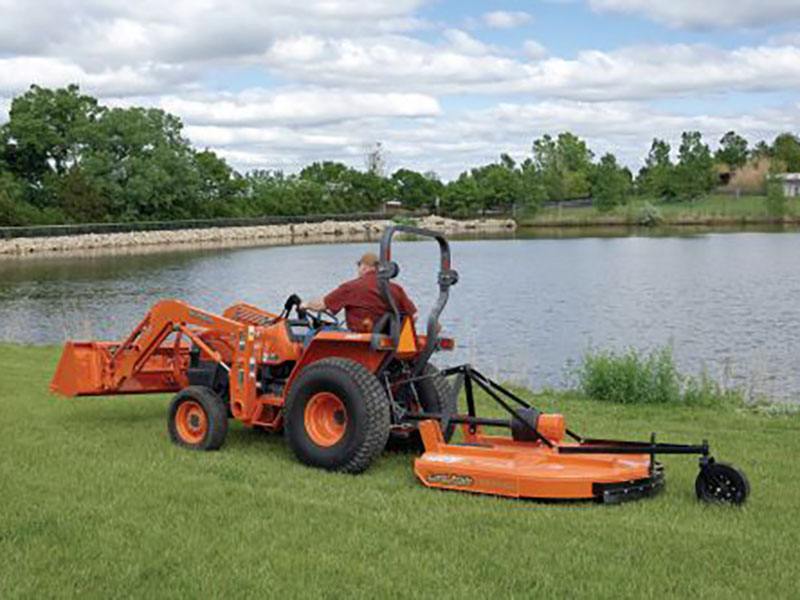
x: 713, y: 209
x: 96, y: 502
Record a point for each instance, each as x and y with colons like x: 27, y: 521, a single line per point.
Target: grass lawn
x: 96, y: 502
x: 714, y: 208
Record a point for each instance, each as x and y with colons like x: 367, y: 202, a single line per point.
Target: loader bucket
x: 80, y: 369
x: 86, y: 369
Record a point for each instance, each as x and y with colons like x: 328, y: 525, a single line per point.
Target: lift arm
x: 143, y: 363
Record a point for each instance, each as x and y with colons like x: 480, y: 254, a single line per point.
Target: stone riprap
x: 326, y: 231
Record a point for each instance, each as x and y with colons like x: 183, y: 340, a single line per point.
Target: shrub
x: 776, y: 201
x: 648, y: 215
x: 631, y: 377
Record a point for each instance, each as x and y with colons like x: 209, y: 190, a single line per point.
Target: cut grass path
x: 96, y: 502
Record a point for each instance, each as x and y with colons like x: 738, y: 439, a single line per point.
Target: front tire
x: 337, y: 416
x: 197, y: 419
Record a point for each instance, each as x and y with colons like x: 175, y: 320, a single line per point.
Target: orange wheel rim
x: 325, y: 419
x: 191, y: 422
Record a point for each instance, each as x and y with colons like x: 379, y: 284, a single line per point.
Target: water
x: 523, y: 309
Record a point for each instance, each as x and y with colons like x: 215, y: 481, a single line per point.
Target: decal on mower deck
x: 444, y: 458
x: 450, y: 479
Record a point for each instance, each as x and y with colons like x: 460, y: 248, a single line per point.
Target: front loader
x: 340, y: 397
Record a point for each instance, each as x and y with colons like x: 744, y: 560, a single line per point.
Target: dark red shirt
x: 364, y: 304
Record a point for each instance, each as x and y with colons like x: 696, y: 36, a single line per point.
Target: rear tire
x: 435, y: 396
x: 337, y: 416
x: 197, y: 419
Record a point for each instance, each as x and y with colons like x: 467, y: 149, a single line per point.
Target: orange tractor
x: 340, y: 397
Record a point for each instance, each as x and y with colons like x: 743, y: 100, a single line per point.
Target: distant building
x: 393, y: 207
x: 791, y: 184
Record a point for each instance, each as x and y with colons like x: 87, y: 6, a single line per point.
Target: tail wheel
x: 337, y: 416
x: 198, y: 419
x: 721, y: 483
x: 434, y: 395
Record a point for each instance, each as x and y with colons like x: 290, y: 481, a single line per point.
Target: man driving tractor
x: 361, y: 298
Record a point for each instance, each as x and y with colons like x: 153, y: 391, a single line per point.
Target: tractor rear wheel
x: 337, y: 416
x: 433, y: 395
x: 198, y: 419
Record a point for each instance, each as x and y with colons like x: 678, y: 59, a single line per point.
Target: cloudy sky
x: 442, y: 84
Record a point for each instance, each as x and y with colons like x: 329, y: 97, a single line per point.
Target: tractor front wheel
x: 198, y: 419
x: 337, y: 416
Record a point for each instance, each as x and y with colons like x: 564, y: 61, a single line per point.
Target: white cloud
x: 279, y: 83
x: 461, y: 41
x: 504, y: 19
x: 392, y: 62
x: 464, y: 65
x: 186, y: 30
x: 533, y: 49
x: 708, y: 13
x: 660, y: 71
x: 18, y: 73
x: 307, y: 107
x: 451, y: 142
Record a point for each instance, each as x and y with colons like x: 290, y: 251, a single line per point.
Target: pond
x: 523, y: 310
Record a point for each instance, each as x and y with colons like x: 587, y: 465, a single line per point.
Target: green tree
x: 346, y: 189
x: 499, y: 187
x: 732, y: 150
x: 565, y: 165
x: 534, y: 191
x: 80, y: 200
x: 776, y: 201
x: 694, y: 174
x: 415, y: 190
x: 786, y: 149
x: 611, y: 185
x: 11, y: 194
x: 51, y: 129
x: 461, y: 197
x: 145, y: 167
x: 761, y: 150
x: 657, y: 177
x: 220, y: 187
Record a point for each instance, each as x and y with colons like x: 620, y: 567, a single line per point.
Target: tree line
x: 65, y: 158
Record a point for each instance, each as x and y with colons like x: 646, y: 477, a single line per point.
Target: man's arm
x: 333, y: 302
x: 314, y: 304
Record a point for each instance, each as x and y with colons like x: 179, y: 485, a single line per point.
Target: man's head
x: 367, y: 264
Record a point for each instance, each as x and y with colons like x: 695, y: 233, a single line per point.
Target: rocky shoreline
x: 262, y: 235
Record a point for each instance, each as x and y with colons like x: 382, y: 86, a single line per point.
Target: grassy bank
x: 95, y: 502
x: 712, y: 210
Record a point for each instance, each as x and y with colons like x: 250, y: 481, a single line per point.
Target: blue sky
x: 443, y: 85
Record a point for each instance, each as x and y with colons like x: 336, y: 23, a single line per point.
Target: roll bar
x: 388, y: 270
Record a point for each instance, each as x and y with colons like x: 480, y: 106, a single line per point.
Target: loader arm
x: 165, y: 318
x: 143, y: 363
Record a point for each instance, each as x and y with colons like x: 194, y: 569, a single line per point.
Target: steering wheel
x: 318, y: 318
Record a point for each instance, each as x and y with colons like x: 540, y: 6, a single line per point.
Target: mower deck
x: 543, y: 459
x: 501, y: 466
